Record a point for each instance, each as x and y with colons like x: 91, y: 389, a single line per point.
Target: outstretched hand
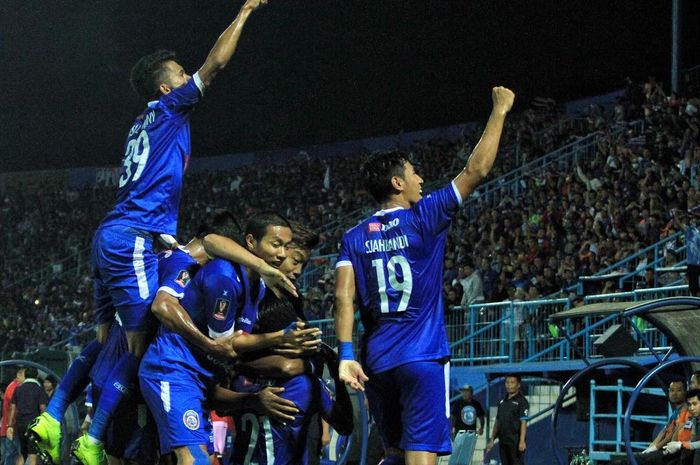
x: 277, y: 281
x: 296, y: 335
x: 502, y: 99
x: 351, y: 373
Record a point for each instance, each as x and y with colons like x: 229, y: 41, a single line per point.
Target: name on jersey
x: 148, y: 118
x: 377, y: 227
x: 386, y: 245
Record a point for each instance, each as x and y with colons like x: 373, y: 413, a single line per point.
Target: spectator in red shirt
x: 10, y: 446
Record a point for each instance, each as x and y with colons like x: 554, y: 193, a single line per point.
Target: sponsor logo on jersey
x: 221, y: 308
x: 183, y: 278
x: 191, y: 419
x: 244, y: 320
x: 374, y: 227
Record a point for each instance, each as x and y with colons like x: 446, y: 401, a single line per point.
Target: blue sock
x: 76, y: 380
x: 119, y: 386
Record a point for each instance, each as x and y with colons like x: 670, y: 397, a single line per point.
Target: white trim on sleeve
x: 214, y: 334
x: 170, y: 291
x: 456, y: 191
x: 198, y: 82
x: 343, y: 263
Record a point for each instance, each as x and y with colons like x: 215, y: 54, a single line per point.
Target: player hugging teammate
x: 171, y: 326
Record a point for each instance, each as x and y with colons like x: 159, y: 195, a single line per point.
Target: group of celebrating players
x: 218, y: 325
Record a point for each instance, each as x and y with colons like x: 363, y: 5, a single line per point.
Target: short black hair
x: 257, y: 225
x: 378, y: 169
x: 513, y: 375
x: 302, y: 236
x: 221, y: 222
x: 147, y: 74
x: 693, y: 393
x: 677, y: 379
x: 31, y: 372
x: 51, y: 379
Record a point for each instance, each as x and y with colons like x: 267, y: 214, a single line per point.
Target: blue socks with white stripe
x: 119, y: 386
x: 76, y: 380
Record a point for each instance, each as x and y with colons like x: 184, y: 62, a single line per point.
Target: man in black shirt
x: 28, y: 402
x: 511, y: 424
x: 466, y: 411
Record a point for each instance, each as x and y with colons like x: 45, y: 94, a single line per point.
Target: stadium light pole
x: 675, y: 43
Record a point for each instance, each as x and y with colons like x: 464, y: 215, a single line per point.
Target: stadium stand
x: 562, y: 224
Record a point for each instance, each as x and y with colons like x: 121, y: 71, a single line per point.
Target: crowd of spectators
x: 565, y: 224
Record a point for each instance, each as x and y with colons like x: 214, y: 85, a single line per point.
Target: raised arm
x: 350, y: 371
x: 482, y: 157
x: 225, y: 45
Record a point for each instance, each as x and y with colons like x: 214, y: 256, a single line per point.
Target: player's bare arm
x: 350, y: 371
x: 265, y: 402
x: 296, y: 336
x: 228, y: 249
x: 482, y: 157
x: 173, y: 316
x: 226, y: 44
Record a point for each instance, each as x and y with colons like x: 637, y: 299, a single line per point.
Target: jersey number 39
x: 135, y: 158
x: 405, y: 286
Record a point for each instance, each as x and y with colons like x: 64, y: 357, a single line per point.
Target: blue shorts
x: 178, y: 408
x: 125, y: 276
x: 411, y: 406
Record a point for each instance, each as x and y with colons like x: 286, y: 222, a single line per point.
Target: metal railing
x: 600, y: 448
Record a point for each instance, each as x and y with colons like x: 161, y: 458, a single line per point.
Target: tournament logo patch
x: 221, y: 308
x: 374, y: 227
x: 183, y: 277
x: 191, y: 419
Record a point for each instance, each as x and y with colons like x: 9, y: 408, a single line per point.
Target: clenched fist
x: 502, y: 99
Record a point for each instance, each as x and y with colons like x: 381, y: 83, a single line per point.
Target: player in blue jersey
x: 269, y: 441
x: 175, y: 376
x: 157, y: 151
x: 124, y: 438
x: 393, y: 261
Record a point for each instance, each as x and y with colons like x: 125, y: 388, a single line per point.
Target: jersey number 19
x: 405, y: 286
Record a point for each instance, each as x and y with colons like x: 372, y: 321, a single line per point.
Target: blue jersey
x: 156, y: 154
x: 212, y: 299
x: 175, y: 271
x: 397, y: 257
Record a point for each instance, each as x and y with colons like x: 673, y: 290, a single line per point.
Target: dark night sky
x: 310, y: 71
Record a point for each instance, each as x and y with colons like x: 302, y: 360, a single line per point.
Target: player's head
x: 157, y: 74
x: 222, y: 223
x: 31, y: 373
x: 267, y: 235
x: 676, y: 391
x: 693, y: 400
x: 467, y: 391
x: 299, y: 250
x: 512, y: 384
x: 391, y: 174
x: 695, y: 380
